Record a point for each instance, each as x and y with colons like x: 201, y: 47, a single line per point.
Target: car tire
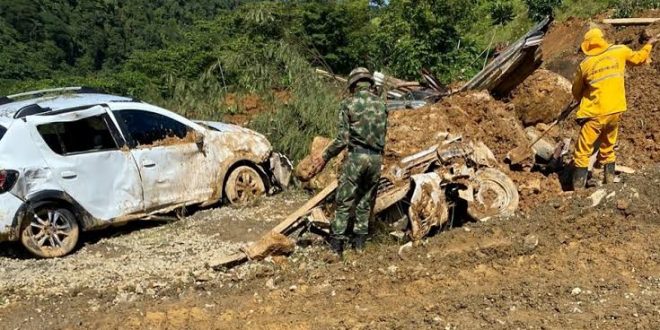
x: 243, y: 185
x: 50, y: 231
x: 496, y: 195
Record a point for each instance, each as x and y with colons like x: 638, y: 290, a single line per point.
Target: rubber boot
x: 580, y: 178
x: 608, y: 173
x: 359, y: 242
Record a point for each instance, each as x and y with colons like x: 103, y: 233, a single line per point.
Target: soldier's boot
x: 337, y: 245
x: 359, y: 243
x: 608, y: 173
x: 580, y: 178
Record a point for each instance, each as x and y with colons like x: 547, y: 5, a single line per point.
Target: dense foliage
x: 188, y: 55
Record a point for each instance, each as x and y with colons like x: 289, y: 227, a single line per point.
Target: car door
x: 174, y: 169
x: 83, y: 149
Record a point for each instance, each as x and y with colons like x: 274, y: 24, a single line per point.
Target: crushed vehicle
x: 423, y: 189
x: 74, y: 160
x: 429, y: 185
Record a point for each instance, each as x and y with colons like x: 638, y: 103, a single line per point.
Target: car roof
x: 58, y: 102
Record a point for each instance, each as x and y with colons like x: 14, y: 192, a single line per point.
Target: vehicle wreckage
x: 428, y: 186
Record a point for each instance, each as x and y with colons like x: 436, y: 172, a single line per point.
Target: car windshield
x: 2, y: 131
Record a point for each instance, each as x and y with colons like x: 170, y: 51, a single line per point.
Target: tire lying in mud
x: 243, y: 185
x: 495, y: 195
x: 50, y: 231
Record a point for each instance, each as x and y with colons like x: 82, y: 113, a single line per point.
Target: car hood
x: 258, y: 140
x: 222, y: 127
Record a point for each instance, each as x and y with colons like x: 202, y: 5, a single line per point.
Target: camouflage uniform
x: 362, y: 128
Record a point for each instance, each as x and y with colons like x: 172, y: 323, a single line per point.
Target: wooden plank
x: 241, y: 257
x: 390, y: 198
x: 631, y: 21
x: 303, y: 210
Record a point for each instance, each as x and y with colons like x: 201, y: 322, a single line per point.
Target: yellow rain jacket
x: 599, y: 82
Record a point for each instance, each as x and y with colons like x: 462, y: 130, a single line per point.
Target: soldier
x: 362, y: 129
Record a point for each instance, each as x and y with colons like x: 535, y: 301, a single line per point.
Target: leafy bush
x: 538, y: 9
x: 628, y: 8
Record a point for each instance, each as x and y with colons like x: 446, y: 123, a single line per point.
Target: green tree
x: 538, y: 9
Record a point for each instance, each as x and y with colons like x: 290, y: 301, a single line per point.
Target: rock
x: 622, y: 204
x: 392, y: 269
x: 541, y: 97
x: 271, y: 244
x: 405, y: 249
x: 597, y: 197
x: 531, y: 242
x: 202, y: 276
x: 576, y: 291
x: 624, y: 169
x: 270, y: 284
x: 293, y: 288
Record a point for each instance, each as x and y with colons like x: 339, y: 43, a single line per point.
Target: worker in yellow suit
x: 599, y: 86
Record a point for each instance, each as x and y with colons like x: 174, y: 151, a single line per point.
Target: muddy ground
x: 566, y: 265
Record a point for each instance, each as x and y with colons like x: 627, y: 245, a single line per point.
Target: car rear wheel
x: 243, y: 185
x: 50, y: 231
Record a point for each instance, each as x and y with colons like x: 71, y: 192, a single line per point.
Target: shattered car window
x: 85, y: 135
x: 147, y: 128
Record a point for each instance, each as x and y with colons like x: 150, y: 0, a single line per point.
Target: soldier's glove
x: 318, y: 163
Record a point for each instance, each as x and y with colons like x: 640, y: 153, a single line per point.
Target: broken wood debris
x: 260, y: 247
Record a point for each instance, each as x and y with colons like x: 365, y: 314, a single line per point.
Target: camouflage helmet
x: 359, y: 74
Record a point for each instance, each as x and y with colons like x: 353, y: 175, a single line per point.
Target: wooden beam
x: 303, y: 210
x: 630, y: 21
x: 288, y: 223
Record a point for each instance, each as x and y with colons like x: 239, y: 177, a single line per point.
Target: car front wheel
x: 243, y: 185
x: 50, y: 231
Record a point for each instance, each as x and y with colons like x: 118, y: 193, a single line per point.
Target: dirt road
x: 566, y: 265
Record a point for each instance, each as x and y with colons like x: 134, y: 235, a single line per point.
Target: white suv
x: 73, y: 159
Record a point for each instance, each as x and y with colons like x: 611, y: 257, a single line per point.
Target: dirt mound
x: 476, y: 116
x: 561, y: 46
x: 541, y: 97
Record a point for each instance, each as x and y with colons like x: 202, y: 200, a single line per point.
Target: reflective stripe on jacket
x: 599, y: 81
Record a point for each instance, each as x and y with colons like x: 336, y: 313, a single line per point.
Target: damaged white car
x: 74, y: 160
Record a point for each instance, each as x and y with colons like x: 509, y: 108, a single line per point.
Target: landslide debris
x: 541, y: 97
x: 639, y: 134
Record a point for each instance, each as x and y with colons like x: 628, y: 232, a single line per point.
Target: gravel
x: 129, y: 262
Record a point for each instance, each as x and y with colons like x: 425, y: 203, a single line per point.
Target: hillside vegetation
x: 189, y: 55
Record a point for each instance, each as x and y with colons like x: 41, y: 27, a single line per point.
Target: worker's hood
x: 594, y: 43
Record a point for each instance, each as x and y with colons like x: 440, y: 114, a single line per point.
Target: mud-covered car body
x: 110, y: 159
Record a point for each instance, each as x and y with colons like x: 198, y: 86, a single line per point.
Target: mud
x: 476, y: 116
x: 541, y: 97
x: 565, y: 265
x: 244, y: 108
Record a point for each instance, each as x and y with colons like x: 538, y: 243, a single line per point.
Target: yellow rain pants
x: 602, y: 129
